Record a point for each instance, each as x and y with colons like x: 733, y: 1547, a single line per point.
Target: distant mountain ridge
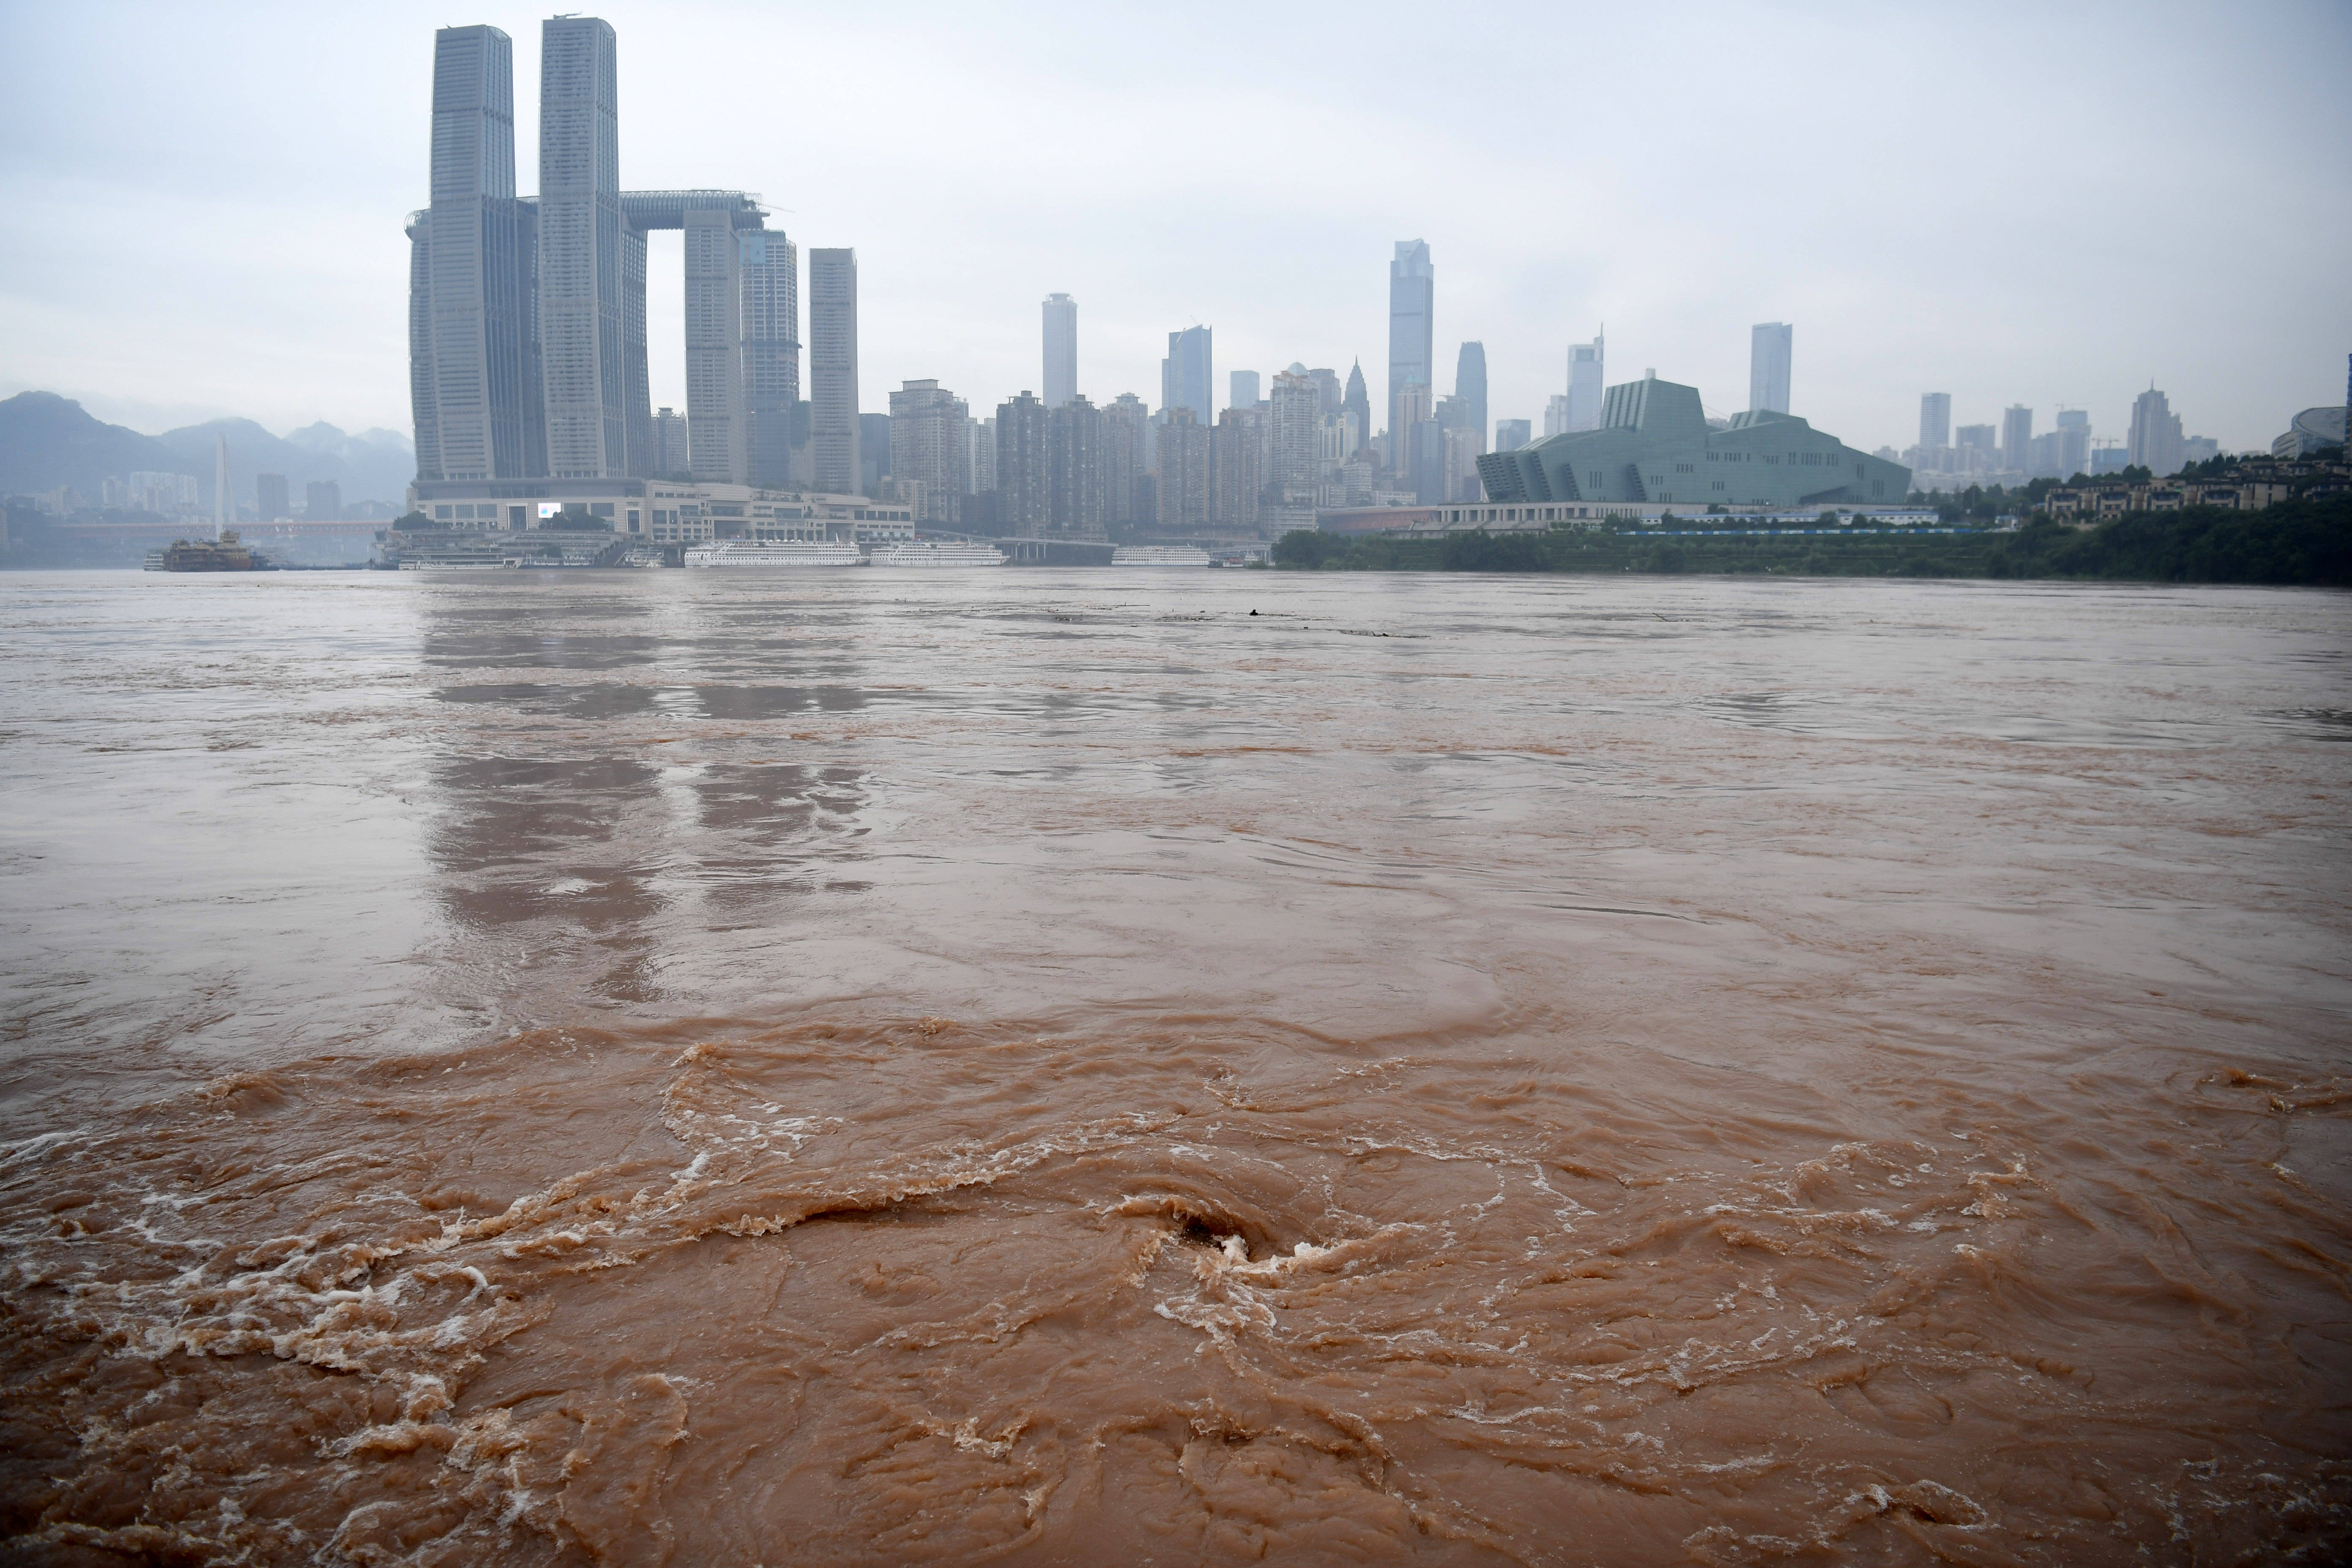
x: 47, y: 440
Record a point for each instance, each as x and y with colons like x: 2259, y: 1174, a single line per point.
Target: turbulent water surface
x: 1044, y: 1067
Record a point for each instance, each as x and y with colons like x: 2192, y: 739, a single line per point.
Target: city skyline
x: 316, y: 330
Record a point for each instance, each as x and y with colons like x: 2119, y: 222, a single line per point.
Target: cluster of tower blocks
x: 527, y: 314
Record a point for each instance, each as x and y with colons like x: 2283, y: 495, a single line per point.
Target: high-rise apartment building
x: 1587, y: 365
x: 1183, y: 478
x: 1557, y: 413
x: 835, y: 456
x: 1339, y: 439
x: 1186, y: 374
x: 1984, y: 440
x: 323, y: 501
x: 1510, y: 435
x: 1024, y: 494
x: 1463, y: 448
x: 580, y: 242
x: 1425, y: 468
x: 1235, y: 477
x: 2071, y: 452
x: 1078, y: 469
x: 1243, y: 389
x: 270, y: 501
x: 1470, y: 386
x: 1061, y: 381
x: 162, y: 494
x: 1073, y: 470
x: 2064, y: 451
x: 1125, y: 420
x: 1415, y: 454
x: 1935, y: 419
x: 1358, y: 400
x: 474, y: 379
x: 771, y: 352
x: 715, y: 374
x: 1768, y: 349
x: 982, y: 435
x: 2017, y: 439
x: 1413, y: 289
x: 931, y: 444
x: 1295, y: 439
x: 1327, y: 386
x: 2155, y: 440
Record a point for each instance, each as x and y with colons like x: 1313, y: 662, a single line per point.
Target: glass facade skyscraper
x: 772, y: 352
x: 580, y: 294
x: 473, y: 381
x: 834, y: 446
x: 1412, y: 289
x: 1186, y: 378
x: 1588, y: 366
x: 1768, y: 349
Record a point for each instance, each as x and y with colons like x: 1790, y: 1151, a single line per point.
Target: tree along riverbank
x: 2302, y: 541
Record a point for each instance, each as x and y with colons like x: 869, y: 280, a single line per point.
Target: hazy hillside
x: 47, y: 440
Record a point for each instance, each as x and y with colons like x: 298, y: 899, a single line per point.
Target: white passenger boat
x: 1158, y: 555
x: 774, y: 553
x: 937, y: 552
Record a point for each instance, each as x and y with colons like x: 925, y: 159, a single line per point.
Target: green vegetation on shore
x: 2301, y: 541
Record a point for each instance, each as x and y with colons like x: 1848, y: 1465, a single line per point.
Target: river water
x: 1164, y: 1066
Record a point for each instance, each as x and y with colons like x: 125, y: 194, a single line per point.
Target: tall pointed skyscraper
x: 580, y: 236
x: 472, y: 334
x: 1470, y: 387
x: 1413, y: 299
x: 1061, y: 350
x: 1358, y: 400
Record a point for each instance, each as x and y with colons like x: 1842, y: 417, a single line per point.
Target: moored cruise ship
x: 774, y: 553
x: 937, y: 552
x: 1158, y: 555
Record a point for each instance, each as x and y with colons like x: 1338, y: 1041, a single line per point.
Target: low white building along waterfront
x: 1655, y: 449
x: 651, y: 513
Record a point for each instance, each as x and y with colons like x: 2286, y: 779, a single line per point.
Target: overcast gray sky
x: 2036, y: 204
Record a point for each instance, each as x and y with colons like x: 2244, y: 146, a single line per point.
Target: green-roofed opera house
x: 1654, y: 445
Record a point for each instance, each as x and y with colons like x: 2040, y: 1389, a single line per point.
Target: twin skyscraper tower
x: 526, y: 315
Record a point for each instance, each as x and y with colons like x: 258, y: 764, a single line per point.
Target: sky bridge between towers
x: 669, y: 210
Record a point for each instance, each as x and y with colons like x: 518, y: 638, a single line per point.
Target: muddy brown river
x: 1172, y: 1067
